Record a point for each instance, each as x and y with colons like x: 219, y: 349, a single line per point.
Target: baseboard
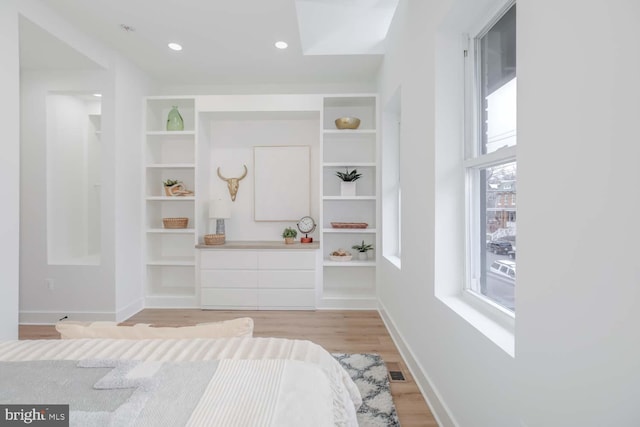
x: 348, y: 304
x: 128, y: 311
x: 52, y: 317
x: 438, y: 408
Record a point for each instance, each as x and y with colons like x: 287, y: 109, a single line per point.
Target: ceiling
x: 229, y: 42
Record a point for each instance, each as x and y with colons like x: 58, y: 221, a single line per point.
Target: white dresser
x: 258, y: 276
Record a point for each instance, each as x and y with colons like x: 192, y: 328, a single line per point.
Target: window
x: 391, y: 181
x: 490, y: 161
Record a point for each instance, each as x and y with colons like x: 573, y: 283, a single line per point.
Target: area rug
x: 369, y: 373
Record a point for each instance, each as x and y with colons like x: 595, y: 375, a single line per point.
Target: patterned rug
x: 369, y: 373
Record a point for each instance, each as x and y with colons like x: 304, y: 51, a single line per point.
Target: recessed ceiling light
x: 174, y: 46
x: 281, y: 45
x: 99, y: 95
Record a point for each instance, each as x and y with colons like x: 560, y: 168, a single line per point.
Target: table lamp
x: 219, y: 209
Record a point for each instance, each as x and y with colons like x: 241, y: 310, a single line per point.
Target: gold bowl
x: 347, y: 123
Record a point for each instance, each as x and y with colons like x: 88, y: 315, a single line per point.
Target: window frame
x: 473, y: 163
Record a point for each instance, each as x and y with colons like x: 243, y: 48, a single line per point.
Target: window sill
x: 395, y: 260
x: 497, y: 327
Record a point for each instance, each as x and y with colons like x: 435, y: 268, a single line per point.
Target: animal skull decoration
x: 233, y: 183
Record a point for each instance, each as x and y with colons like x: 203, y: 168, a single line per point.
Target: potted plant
x: 173, y: 187
x: 289, y: 234
x: 169, y: 185
x: 348, y: 184
x: 362, y: 249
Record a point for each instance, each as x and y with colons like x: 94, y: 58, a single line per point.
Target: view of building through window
x: 494, y: 172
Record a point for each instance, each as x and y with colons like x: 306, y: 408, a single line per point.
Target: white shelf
x: 352, y: 263
x: 349, y: 230
x: 172, y: 230
x: 172, y: 166
x: 343, y: 285
x: 349, y: 131
x: 349, y: 197
x: 349, y: 164
x: 171, y: 132
x: 171, y: 199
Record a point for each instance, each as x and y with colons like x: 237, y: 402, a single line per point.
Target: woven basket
x: 175, y: 222
x: 213, y: 239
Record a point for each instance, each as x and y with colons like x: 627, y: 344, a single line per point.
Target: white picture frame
x: 282, y: 182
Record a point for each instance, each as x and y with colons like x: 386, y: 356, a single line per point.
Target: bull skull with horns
x: 233, y: 183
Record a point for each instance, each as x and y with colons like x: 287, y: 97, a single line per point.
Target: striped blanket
x: 256, y: 382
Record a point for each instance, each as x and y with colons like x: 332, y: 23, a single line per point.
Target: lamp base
x: 219, y: 226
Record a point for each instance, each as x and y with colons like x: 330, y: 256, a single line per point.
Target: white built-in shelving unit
x: 171, y: 261
x: 170, y: 254
x: 349, y: 284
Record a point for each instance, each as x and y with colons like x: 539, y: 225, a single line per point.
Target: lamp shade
x: 219, y: 209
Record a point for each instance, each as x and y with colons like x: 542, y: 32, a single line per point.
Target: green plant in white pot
x: 362, y: 249
x: 348, y: 184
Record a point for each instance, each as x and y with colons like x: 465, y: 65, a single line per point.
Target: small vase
x: 289, y: 240
x: 348, y: 189
x: 174, y: 120
x: 362, y: 256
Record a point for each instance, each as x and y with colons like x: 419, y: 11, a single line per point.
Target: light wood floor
x: 336, y: 331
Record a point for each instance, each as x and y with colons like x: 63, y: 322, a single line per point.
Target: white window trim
x: 475, y: 161
x: 485, y: 316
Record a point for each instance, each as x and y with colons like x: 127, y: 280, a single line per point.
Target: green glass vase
x: 174, y: 120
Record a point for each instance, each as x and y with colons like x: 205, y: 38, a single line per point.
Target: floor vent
x: 395, y: 372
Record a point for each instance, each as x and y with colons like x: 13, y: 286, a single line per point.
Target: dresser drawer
x: 229, y: 298
x: 286, y: 260
x: 286, y: 298
x: 229, y: 278
x: 229, y: 260
x: 287, y: 279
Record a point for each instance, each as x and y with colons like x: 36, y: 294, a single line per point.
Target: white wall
x: 9, y: 170
x: 80, y: 291
x: 113, y: 289
x: 131, y: 85
x: 576, y: 346
x: 231, y: 145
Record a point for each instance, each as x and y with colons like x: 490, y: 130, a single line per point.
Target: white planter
x: 348, y: 188
x: 362, y: 256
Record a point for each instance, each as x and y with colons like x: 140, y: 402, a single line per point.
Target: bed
x: 173, y: 382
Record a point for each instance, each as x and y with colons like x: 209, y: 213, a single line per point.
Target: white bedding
x: 259, y: 381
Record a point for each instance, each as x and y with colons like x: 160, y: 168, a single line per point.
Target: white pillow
x: 242, y: 327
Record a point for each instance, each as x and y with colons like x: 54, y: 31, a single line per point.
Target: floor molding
x: 429, y: 392
x: 130, y: 310
x: 52, y: 317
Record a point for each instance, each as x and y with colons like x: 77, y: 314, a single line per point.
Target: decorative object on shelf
x: 362, y: 250
x: 175, y: 188
x: 340, y: 255
x: 175, y: 222
x: 349, y: 225
x: 233, y: 183
x: 348, y: 184
x: 214, y: 239
x: 219, y: 210
x: 306, y: 225
x: 174, y: 119
x: 289, y: 234
x: 347, y: 123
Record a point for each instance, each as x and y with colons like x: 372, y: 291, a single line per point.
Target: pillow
x: 242, y: 327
